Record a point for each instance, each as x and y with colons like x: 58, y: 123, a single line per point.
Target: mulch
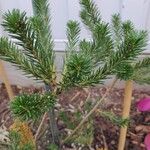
x: 104, y: 132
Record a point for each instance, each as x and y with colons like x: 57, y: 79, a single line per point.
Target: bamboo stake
x: 125, y: 113
x: 5, y: 80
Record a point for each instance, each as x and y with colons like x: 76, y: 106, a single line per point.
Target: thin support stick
x: 125, y: 113
x: 40, y: 126
x: 91, y: 111
x: 5, y: 80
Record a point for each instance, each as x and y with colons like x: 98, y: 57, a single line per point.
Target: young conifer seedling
x: 112, y: 50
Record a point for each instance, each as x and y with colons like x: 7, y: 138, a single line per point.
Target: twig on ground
x: 104, y: 140
x: 5, y: 116
x: 40, y: 126
x: 88, y: 97
x: 74, y: 97
x: 42, y: 132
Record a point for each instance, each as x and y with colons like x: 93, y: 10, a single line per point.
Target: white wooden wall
x: 137, y: 11
x: 63, y: 10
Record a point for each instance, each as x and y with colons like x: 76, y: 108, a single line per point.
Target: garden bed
x: 77, y: 102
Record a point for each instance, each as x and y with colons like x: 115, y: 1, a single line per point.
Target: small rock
x: 71, y: 106
x: 58, y: 105
x: 113, y: 142
x: 135, y: 142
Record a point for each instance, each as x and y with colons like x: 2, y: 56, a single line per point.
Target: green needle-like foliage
x: 115, y: 119
x: 15, y: 142
x: 32, y: 52
x: 78, y: 68
x: 122, y: 31
x: 137, y: 70
x: 19, y: 27
x: 31, y: 107
x: 76, y: 65
x: 101, y: 39
x: 116, y: 28
x: 10, y: 52
x: 29, y: 33
x: 125, y: 54
x: 142, y: 71
x: 87, y: 62
x: 142, y: 63
x: 73, y: 34
x: 113, y: 49
x: 90, y: 14
x: 142, y: 76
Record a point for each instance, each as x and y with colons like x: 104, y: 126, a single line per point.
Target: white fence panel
x: 137, y: 11
x: 64, y: 10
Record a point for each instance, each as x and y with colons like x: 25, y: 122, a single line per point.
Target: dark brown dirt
x: 72, y: 101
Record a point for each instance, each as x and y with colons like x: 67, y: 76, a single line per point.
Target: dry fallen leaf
x: 101, y: 149
x: 4, y: 136
x: 142, y: 128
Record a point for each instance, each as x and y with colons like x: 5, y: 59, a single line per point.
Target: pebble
x: 71, y: 106
x: 113, y: 142
x: 57, y: 105
x: 72, y: 110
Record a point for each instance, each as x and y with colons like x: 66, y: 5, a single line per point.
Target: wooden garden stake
x: 5, y: 80
x: 125, y: 114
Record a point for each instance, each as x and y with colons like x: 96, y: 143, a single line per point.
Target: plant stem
x: 53, y: 124
x: 91, y: 111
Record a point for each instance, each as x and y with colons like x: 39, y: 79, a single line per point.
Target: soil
x: 73, y: 105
